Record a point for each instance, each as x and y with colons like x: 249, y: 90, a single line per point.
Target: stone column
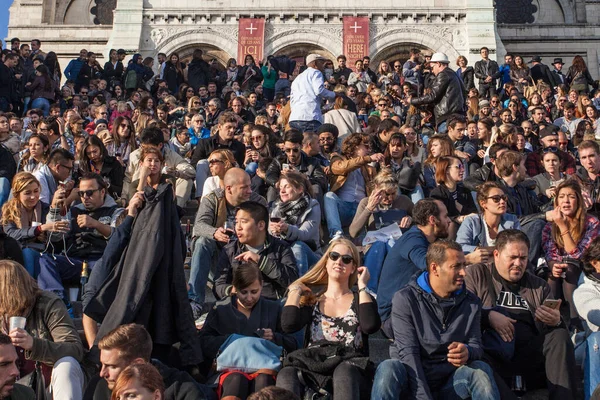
x: 127, y: 26
x: 481, y: 29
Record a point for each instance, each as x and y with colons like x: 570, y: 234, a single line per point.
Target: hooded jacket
x: 425, y: 325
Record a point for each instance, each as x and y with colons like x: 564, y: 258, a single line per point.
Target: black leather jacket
x: 493, y: 71
x: 447, y: 95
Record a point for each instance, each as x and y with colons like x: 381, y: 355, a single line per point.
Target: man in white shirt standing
x: 307, y: 92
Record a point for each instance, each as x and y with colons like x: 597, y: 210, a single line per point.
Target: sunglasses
x: 346, y: 259
x: 215, y: 161
x: 292, y: 150
x: 124, y: 125
x: 397, y: 66
x: 87, y: 193
x: 563, y: 143
x: 550, y: 149
x: 382, y: 104
x: 498, y: 197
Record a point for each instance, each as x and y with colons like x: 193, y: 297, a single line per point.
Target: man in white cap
x: 307, y: 92
x: 447, y: 92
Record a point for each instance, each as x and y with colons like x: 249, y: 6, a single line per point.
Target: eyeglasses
x: 397, y: 66
x: 215, y: 161
x: 124, y: 125
x: 87, y: 193
x: 550, y: 149
x: 83, y: 92
x: 197, y: 102
x: 382, y: 104
x: 326, y: 139
x: 64, y: 166
x: 346, y: 258
x: 198, y: 120
x: 257, y: 138
x: 496, y: 199
x: 294, y: 150
x: 412, y: 133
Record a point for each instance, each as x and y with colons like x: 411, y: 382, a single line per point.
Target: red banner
x: 356, y: 39
x: 251, y: 39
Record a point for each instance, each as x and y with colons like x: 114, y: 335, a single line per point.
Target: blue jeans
x: 202, y: 174
x: 374, y: 259
x: 338, y: 213
x: 203, y: 257
x: 42, y: 104
x: 31, y: 258
x: 475, y: 381
x: 305, y: 126
x: 591, y: 367
x: 305, y: 257
x: 4, y: 190
x: 56, y: 269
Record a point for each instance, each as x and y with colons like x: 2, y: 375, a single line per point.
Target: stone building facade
x: 549, y: 28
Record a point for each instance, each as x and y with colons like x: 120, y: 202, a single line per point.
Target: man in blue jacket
x: 408, y: 255
x: 437, y: 347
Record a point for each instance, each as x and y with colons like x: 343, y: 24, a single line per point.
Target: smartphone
x: 260, y: 332
x: 553, y: 304
x: 285, y: 167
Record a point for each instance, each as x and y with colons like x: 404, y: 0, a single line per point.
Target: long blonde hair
x: 18, y: 290
x: 578, y: 228
x: 317, y: 276
x: 11, y: 210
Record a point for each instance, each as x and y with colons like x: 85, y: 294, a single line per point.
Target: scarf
x: 291, y: 210
x: 37, y: 215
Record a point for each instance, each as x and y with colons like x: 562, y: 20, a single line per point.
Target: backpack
x: 131, y: 80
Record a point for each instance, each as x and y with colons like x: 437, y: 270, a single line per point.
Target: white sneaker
x: 338, y: 235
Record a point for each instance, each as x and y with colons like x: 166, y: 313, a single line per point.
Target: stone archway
x: 299, y: 51
x: 325, y: 40
x: 209, y: 52
x: 395, y: 52
x: 435, y: 38
x: 218, y: 42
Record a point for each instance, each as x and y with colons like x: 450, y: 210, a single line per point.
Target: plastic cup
x: 35, y: 224
x: 73, y: 293
x: 16, y: 322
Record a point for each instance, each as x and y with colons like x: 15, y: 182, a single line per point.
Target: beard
x: 441, y: 231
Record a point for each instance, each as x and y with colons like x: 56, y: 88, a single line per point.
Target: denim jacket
x: 471, y: 233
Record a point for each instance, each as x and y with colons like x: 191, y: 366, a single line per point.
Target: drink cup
x: 73, y: 293
x: 16, y: 322
x: 35, y: 224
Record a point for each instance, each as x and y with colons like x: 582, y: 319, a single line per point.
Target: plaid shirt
x: 554, y: 253
x: 533, y: 163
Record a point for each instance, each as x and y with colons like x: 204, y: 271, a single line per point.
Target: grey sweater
x: 206, y: 217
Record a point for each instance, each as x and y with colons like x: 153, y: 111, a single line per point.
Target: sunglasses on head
x: 498, y: 197
x: 550, y: 149
x: 346, y: 259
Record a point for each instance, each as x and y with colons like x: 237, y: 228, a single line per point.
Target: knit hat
x: 101, y: 121
x: 329, y: 128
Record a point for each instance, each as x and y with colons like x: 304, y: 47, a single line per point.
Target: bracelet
x: 362, y: 290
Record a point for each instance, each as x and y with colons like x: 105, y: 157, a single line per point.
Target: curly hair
x: 354, y: 140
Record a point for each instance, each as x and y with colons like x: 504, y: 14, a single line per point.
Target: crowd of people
x: 452, y: 209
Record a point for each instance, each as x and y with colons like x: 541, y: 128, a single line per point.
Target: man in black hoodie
x: 130, y: 344
x: 197, y: 71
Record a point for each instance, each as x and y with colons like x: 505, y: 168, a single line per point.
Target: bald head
x: 237, y: 186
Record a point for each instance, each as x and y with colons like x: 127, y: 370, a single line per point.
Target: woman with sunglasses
x: 219, y: 162
x: 547, y: 181
x: 565, y: 239
x: 95, y: 158
x: 185, y: 94
x: 194, y: 105
x: 324, y: 302
x: 263, y: 144
x: 477, y: 234
x: 449, y: 174
x: 123, y: 140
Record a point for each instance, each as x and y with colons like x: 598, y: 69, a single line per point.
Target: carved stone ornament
x: 515, y: 11
x: 103, y: 11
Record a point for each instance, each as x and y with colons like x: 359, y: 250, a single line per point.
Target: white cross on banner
x: 356, y: 27
x: 251, y: 39
x: 356, y: 39
x: 251, y: 28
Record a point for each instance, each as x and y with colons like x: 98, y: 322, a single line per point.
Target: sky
x: 4, y: 5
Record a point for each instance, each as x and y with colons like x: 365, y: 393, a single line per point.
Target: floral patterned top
x: 344, y: 329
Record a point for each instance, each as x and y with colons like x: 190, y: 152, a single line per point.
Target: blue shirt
x: 404, y: 259
x: 307, y: 91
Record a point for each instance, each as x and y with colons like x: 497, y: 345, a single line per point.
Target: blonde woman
x: 219, y: 162
x: 24, y: 219
x: 49, y: 337
x: 323, y: 301
x: 194, y: 105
